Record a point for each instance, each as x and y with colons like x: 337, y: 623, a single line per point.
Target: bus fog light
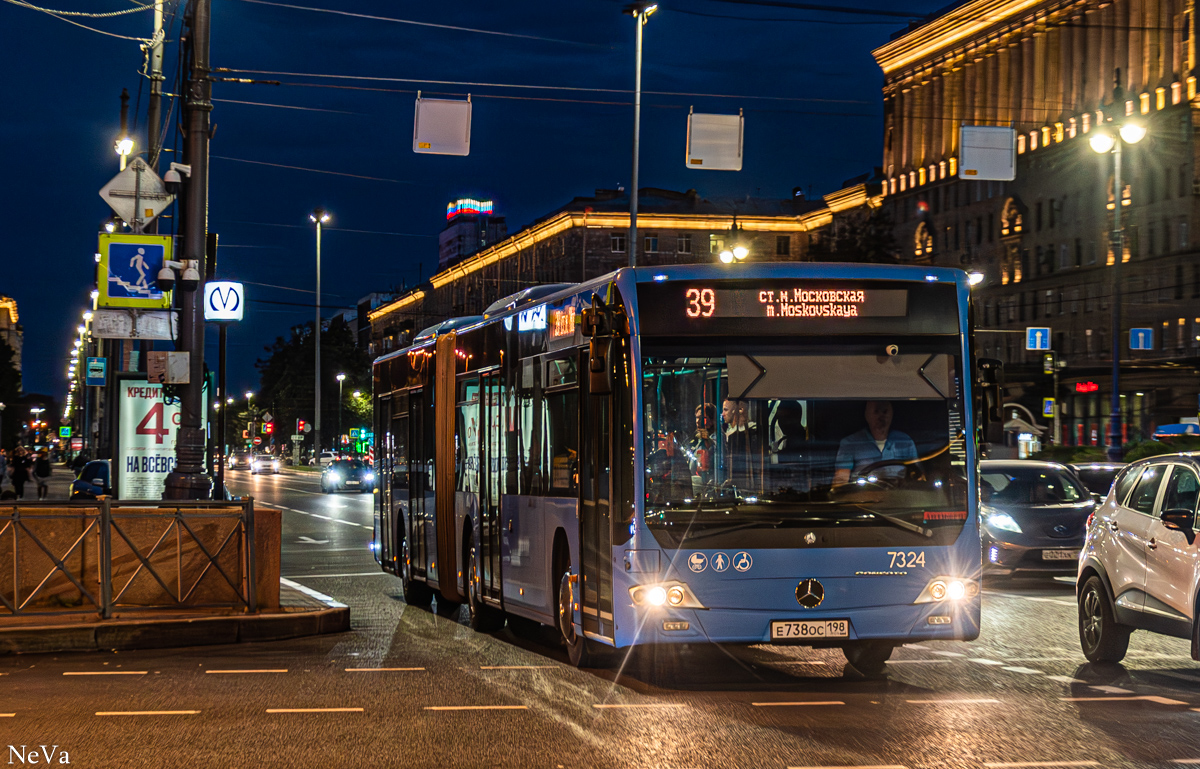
x: 656, y: 596
x: 675, y: 596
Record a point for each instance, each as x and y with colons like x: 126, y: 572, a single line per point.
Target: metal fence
x: 96, y: 557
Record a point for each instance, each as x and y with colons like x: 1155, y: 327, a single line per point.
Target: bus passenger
x: 742, y: 457
x: 790, y: 463
x: 702, y: 445
x: 874, y: 443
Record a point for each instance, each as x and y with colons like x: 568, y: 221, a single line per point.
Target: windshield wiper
x: 895, y: 521
x: 688, y: 535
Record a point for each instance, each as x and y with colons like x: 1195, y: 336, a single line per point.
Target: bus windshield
x: 766, y: 454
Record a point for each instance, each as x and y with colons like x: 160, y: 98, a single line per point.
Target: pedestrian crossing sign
x: 128, y: 268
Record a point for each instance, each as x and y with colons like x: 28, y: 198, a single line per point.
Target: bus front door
x: 595, y: 518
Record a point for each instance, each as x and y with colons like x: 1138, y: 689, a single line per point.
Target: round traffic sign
x: 257, y: 440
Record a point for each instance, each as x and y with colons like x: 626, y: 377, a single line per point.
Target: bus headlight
x: 948, y: 589
x: 677, y: 595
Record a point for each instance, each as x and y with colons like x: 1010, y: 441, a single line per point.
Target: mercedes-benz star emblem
x: 810, y: 593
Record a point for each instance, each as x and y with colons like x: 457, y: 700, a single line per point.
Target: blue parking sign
x: 1037, y: 338
x: 1141, y: 339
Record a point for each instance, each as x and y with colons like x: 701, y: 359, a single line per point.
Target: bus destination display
x: 793, y: 301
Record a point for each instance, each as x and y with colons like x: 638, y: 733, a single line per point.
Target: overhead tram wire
x: 313, y: 170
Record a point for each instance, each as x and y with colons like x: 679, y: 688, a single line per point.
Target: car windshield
x: 716, y: 463
x: 347, y: 464
x: 1029, y: 485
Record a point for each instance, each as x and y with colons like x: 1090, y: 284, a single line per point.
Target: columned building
x: 1054, y: 71
x: 589, y: 237
x: 10, y: 329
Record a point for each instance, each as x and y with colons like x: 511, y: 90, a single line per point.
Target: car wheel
x: 1102, y: 639
x: 869, y: 657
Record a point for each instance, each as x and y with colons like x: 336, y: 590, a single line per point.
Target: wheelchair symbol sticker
x: 698, y: 562
x: 742, y: 561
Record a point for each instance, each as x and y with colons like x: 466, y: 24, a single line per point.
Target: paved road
x: 407, y: 688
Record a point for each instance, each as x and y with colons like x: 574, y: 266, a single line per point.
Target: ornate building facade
x: 1054, y: 71
x: 10, y: 328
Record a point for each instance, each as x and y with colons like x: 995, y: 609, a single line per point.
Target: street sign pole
x: 223, y: 412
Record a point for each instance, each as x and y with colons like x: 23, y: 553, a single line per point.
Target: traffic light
x: 246, y: 434
x: 268, y: 428
x: 299, y: 426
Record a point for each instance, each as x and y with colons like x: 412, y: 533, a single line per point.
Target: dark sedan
x: 347, y: 475
x: 1098, y: 476
x: 94, y: 480
x: 1034, y: 515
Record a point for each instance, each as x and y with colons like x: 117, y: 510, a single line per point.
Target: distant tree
x: 860, y: 237
x: 10, y: 393
x: 286, y: 380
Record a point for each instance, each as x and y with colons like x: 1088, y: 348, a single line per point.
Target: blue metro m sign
x: 223, y: 300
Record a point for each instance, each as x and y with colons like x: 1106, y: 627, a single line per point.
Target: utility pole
x: 189, y: 480
x: 154, y: 114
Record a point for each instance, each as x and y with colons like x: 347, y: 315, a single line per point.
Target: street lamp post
x: 641, y: 12
x: 1105, y: 141
x: 341, y: 378
x: 319, y: 216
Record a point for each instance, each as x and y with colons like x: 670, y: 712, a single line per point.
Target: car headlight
x: 335, y: 477
x: 1003, y: 521
x: 368, y: 476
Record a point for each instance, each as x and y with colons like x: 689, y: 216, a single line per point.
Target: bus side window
x: 562, y: 416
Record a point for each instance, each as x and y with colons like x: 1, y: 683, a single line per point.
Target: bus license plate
x: 1060, y: 555
x: 802, y: 630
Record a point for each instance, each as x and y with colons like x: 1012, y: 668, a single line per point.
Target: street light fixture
x: 1104, y: 141
x: 319, y: 216
x: 640, y: 11
x: 341, y: 378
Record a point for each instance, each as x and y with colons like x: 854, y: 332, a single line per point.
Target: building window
x: 783, y: 245
x: 1150, y: 243
x: 1064, y: 257
x: 1183, y: 233
x: 1183, y: 181
x: 684, y: 244
x: 1048, y: 304
x: 716, y: 244
x: 618, y: 243
x: 1179, y: 282
x: 650, y: 244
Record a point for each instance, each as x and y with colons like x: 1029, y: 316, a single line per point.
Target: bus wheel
x: 417, y: 594
x: 868, y: 657
x: 483, y: 618
x: 577, y: 650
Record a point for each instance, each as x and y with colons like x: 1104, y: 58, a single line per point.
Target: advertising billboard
x: 146, y: 440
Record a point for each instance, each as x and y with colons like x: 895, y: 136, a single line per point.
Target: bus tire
x: 577, y: 645
x: 868, y: 657
x: 483, y: 618
x: 417, y: 594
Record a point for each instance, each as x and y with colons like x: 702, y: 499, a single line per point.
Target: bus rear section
x: 807, y: 463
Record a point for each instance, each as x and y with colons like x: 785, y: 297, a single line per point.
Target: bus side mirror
x: 600, y: 377
x: 991, y: 399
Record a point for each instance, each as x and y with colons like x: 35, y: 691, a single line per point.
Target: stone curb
x: 126, y: 635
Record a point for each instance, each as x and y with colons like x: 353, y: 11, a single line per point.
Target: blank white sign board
x: 714, y: 142
x: 442, y: 127
x: 988, y: 153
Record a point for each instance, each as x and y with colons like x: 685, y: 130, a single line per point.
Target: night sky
x: 532, y: 150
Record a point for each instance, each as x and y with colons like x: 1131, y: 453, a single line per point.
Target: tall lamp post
x: 319, y: 216
x: 2, y: 407
x: 341, y: 378
x: 1105, y: 140
x: 640, y: 12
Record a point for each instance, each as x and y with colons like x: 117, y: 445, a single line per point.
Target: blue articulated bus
x: 773, y: 453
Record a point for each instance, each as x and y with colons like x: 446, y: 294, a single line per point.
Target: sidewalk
x: 301, y: 613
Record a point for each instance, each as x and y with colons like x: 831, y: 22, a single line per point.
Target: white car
x: 1140, y: 566
x: 264, y: 463
x: 322, y: 460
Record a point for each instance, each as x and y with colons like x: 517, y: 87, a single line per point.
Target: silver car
x: 1140, y: 566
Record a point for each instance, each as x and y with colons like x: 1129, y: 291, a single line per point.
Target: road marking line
x: 517, y: 667
x: 105, y: 673
x: 1111, y: 689
x: 8, y: 715
x: 872, y: 766
x: 381, y: 670
x: 314, y: 710
x: 919, y: 662
x: 791, y: 704
x: 147, y: 712
x: 985, y: 661
x: 476, y: 707
x: 1023, y: 671
x: 1043, y: 659
x: 649, y: 705
x: 1067, y: 679
x: 264, y: 670
x: 330, y: 576
x: 915, y: 646
x: 1185, y: 760
x: 1041, y: 763
x: 329, y: 601
x: 1147, y: 697
x: 954, y: 702
x: 802, y: 662
x: 949, y: 654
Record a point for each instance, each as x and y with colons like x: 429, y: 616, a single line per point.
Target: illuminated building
x: 471, y: 225
x: 1051, y: 70
x: 10, y: 328
x: 588, y: 237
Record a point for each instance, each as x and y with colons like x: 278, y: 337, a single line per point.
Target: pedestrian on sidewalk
x: 41, y: 474
x: 3, y: 468
x: 21, y: 463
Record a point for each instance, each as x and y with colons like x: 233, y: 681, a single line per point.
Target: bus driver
x: 874, y: 443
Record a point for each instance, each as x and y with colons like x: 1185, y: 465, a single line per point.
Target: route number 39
x: 702, y: 302
x: 909, y: 560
